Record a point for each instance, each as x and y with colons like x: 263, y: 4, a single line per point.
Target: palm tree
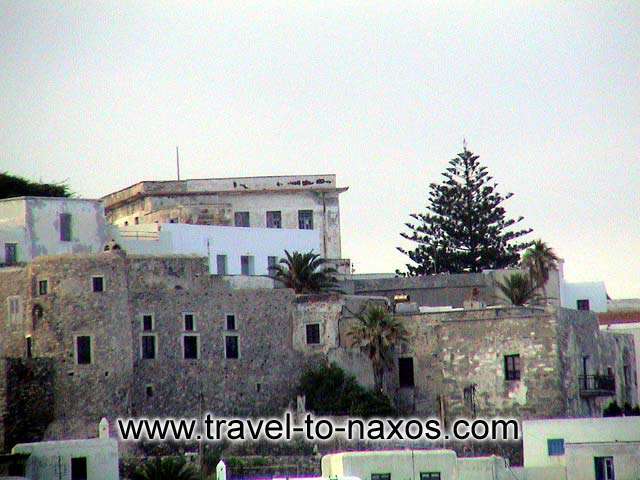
x: 518, y: 288
x: 376, y: 333
x: 539, y: 260
x: 305, y: 273
x: 165, y: 469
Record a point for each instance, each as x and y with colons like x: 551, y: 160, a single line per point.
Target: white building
x: 35, y: 226
x: 582, y: 449
x: 296, y: 202
x: 230, y: 250
x: 95, y: 459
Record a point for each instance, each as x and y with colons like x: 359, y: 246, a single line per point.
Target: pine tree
x: 464, y: 228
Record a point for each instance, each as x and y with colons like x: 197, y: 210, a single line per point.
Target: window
x: 147, y: 323
x: 98, y: 284
x: 189, y: 322
x: 380, y: 476
x: 190, y: 347
x: 14, y: 309
x: 512, y: 367
x: 429, y: 475
x: 29, y: 347
x: 10, y: 253
x: 83, y: 350
x: 305, y: 219
x: 405, y: 372
x: 149, y: 391
x: 43, y: 287
x: 241, y: 219
x: 604, y: 468
x: 79, y: 468
x: 221, y: 264
x: 313, y: 334
x: 231, y: 347
x: 136, y: 221
x: 231, y: 322
x: 274, y: 219
x: 65, y: 227
x: 246, y: 265
x: 271, y: 264
x: 583, y: 304
x: 555, y: 446
x: 148, y: 346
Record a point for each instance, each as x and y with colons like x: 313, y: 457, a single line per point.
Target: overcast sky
x: 547, y: 93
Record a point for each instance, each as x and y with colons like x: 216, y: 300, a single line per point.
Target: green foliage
x: 464, y: 227
x: 14, y: 186
x: 170, y: 468
x: 612, y: 410
x: 539, y: 259
x: 305, y: 273
x: 331, y: 391
x: 376, y: 333
x: 518, y: 288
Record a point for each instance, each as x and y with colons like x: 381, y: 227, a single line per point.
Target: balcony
x: 597, y: 385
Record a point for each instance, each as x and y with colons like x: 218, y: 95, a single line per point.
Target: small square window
x: 555, y: 446
x: 305, y: 219
x: 148, y: 346
x: 97, y: 284
x: 43, y: 287
x: 147, y: 323
x: 241, y: 219
x: 313, y: 333
x: 582, y: 304
x: 231, y: 322
x: 189, y: 322
x: 83, y: 350
x: 274, y: 219
x: 231, y: 347
x: 190, y: 344
x: 512, y: 367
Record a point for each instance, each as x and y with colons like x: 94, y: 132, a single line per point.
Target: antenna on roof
x: 178, y: 162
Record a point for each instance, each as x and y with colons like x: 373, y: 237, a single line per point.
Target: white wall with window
x: 231, y: 250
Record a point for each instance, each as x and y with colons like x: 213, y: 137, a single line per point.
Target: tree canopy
x: 15, y: 186
x: 465, y: 227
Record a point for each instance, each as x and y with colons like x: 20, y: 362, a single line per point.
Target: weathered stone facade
x: 450, y: 351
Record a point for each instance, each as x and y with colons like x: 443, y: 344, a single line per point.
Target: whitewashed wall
x: 595, y: 292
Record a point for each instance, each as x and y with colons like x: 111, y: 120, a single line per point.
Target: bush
x: 614, y: 410
x: 331, y: 391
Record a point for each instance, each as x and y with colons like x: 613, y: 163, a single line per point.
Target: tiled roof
x: 610, y: 318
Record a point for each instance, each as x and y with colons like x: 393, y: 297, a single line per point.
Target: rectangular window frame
x: 315, y: 336
x: 406, y: 380
x: 226, y: 352
x: 43, y: 286
x: 142, y: 320
x: 274, y: 219
x: 221, y: 264
x: 184, y: 350
x: 76, y: 352
x: 583, y: 305
x: 14, y: 309
x: 242, y: 219
x: 144, y: 335
x: 10, y: 254
x: 380, y: 476
x: 28, y: 346
x: 250, y: 265
x: 103, y: 285
x: 512, y: 367
x: 194, y: 324
x: 555, y: 447
x: 430, y: 475
x: 235, y: 322
x: 66, y: 227
x: 80, y: 463
x: 305, y: 219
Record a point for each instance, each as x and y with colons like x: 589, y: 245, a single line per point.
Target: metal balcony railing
x: 597, y: 385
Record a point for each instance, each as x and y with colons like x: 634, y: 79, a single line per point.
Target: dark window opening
x: 10, y: 253
x: 148, y: 347
x: 582, y: 304
x: 29, y: 347
x: 231, y: 347
x: 305, y: 219
x: 149, y: 391
x: 43, y: 287
x: 147, y: 323
x: 555, y: 446
x: 512, y: 367
x: 274, y: 219
x: 221, y: 264
x: 189, y: 324
x: 79, y: 468
x: 83, y: 350
x: 190, y: 347
x: 65, y: 227
x: 271, y: 265
x: 313, y: 334
x: 429, y: 475
x: 241, y: 219
x: 380, y: 476
x: 405, y: 372
x: 98, y: 284
x: 231, y: 322
x: 604, y: 468
x: 246, y: 265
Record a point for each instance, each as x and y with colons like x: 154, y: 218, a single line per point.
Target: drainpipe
x: 324, y: 226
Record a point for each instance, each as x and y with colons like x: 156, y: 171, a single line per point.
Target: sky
x: 379, y: 93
